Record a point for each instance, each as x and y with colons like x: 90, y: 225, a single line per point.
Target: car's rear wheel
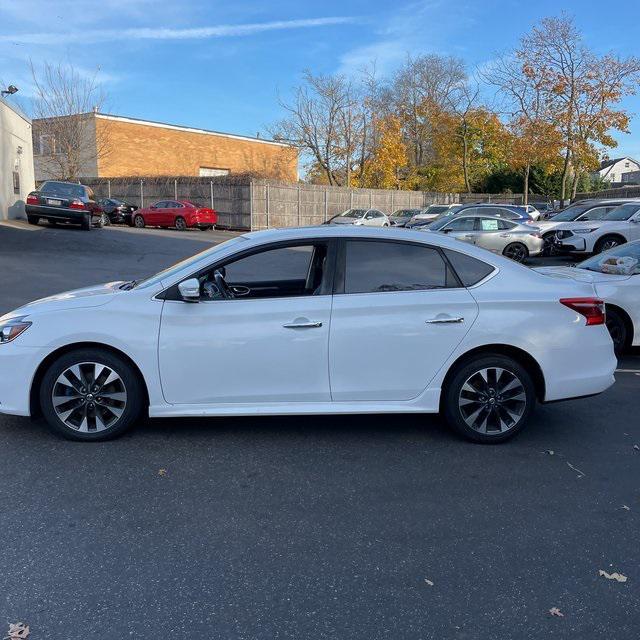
x: 106, y: 220
x: 618, y: 331
x: 33, y: 219
x: 516, y: 251
x: 488, y: 399
x: 607, y: 242
x: 91, y: 394
x: 138, y: 221
x: 181, y: 223
x: 86, y: 222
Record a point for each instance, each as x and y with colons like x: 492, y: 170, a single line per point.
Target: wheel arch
x: 625, y: 317
x: 519, y: 355
x: 34, y: 400
x: 614, y: 234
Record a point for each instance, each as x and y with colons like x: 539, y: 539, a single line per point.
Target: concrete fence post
x: 251, y: 205
x: 267, y: 207
x: 175, y: 189
x: 108, y: 188
x: 326, y: 204
x: 392, y: 202
x: 299, y: 204
x: 351, y: 200
x: 211, y: 192
x: 141, y: 194
x: 370, y: 199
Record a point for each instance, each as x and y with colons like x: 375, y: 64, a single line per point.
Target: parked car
x: 353, y: 319
x: 366, y: 217
x: 64, y: 202
x: 429, y: 214
x: 116, y: 211
x: 180, y: 214
x: 619, y: 225
x: 581, y: 211
x: 620, y: 291
x: 401, y: 217
x: 511, y: 239
x: 506, y: 211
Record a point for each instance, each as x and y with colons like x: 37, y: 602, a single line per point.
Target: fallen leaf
x: 428, y: 582
x: 624, y: 506
x: 582, y: 473
x: 636, y: 447
x: 550, y: 451
x: 612, y: 576
x: 554, y: 611
x: 18, y: 631
x: 162, y: 472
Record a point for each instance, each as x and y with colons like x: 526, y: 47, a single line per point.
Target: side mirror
x: 190, y: 290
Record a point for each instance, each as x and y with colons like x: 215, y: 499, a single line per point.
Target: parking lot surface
x: 345, y: 527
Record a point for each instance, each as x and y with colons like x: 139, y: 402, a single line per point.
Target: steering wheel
x: 221, y: 283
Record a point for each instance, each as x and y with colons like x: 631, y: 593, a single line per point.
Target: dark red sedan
x: 180, y: 214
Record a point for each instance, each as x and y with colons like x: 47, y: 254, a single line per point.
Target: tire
x: 106, y: 220
x: 99, y: 223
x: 33, y: 219
x: 138, y: 222
x: 86, y: 223
x: 458, y: 406
x: 181, y: 223
x: 607, y: 242
x: 516, y: 251
x: 619, y: 331
x: 84, y: 417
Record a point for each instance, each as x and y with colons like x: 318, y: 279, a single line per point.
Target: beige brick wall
x: 137, y: 149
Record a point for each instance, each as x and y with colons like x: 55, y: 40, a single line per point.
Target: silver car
x: 511, y: 239
x: 366, y: 217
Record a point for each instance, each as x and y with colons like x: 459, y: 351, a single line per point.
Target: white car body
x: 368, y: 218
x: 384, y: 351
x: 585, y: 235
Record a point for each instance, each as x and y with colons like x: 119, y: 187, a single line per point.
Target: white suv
x: 620, y: 225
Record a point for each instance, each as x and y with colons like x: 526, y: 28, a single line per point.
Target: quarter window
x: 373, y: 267
x: 461, y: 224
x: 469, y: 270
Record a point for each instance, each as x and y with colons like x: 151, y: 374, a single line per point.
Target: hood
x: 344, y: 220
x: 94, y: 296
x: 579, y: 275
x: 583, y: 224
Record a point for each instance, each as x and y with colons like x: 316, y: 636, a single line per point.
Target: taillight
x: 77, y: 204
x: 33, y: 199
x: 591, y: 308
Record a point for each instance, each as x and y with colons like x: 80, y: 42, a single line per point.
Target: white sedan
x: 320, y: 320
x: 620, y: 225
x: 617, y: 284
x: 362, y: 217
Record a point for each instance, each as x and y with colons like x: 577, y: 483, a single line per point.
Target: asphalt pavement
x: 341, y: 527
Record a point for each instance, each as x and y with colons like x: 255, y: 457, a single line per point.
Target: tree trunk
x: 525, y: 195
x: 576, y: 180
x: 465, y: 170
x: 565, y: 174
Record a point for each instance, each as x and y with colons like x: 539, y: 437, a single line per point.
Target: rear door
x: 398, y: 314
x: 493, y: 234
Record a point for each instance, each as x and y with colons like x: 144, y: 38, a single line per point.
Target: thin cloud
x: 155, y: 33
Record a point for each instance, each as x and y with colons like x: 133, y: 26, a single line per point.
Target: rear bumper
x: 203, y: 221
x: 74, y: 216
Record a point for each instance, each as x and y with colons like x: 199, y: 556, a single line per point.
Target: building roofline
x: 175, y: 127
x: 16, y: 110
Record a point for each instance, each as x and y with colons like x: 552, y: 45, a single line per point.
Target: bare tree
x: 327, y: 120
x: 68, y: 142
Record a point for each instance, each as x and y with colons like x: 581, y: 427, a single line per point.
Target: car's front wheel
x: 488, y: 399
x: 91, y: 394
x: 138, y: 221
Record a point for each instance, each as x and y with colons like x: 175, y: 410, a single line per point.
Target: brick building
x: 116, y: 146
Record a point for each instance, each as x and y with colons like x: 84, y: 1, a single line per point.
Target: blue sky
x: 222, y: 65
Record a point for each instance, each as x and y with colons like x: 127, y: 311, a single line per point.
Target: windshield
x: 63, y: 189
x: 183, y: 264
x: 436, y: 209
x: 571, y: 213
x: 450, y: 212
x: 352, y: 213
x: 405, y: 213
x: 440, y: 222
x: 623, y: 212
x: 624, y: 260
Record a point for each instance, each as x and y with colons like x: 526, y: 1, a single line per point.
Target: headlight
x: 11, y: 329
x: 584, y: 230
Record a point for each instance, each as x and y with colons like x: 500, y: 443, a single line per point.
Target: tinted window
x: 393, y: 266
x: 461, y: 224
x: 506, y: 224
x: 159, y: 205
x: 63, y: 189
x: 285, y: 263
x: 598, y: 213
x: 501, y: 213
x: 470, y: 270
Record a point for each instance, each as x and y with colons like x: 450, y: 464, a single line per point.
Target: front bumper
x: 17, y: 370
x: 574, y: 244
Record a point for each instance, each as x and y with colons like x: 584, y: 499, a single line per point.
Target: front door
x: 398, y: 318
x: 462, y: 229
x: 268, y: 342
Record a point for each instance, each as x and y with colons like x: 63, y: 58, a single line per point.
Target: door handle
x: 505, y: 235
x: 469, y: 236
x: 445, y: 320
x: 302, y: 325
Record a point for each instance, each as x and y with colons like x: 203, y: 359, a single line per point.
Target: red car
x: 180, y: 214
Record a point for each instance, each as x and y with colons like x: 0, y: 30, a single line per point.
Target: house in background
x: 110, y: 146
x: 613, y: 171
x: 16, y: 161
